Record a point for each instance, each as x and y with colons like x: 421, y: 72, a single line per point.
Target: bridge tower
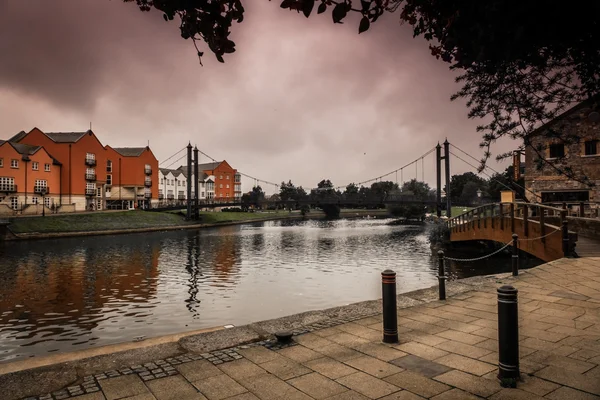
x: 438, y: 162
x: 196, y: 178
x: 189, y: 181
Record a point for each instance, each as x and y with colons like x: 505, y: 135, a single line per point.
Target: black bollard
x: 390, y: 316
x: 441, y: 275
x: 508, y: 336
x: 565, y: 238
x: 515, y: 254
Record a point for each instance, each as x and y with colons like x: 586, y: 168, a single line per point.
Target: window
x: 210, y: 195
x: 90, y: 156
x: 108, y: 166
x: 14, y: 203
x: 47, y: 167
x: 203, y: 194
x: 35, y: 166
x: 99, y: 192
x: 591, y: 147
x: 90, y: 188
x: 210, y: 186
x: 47, y: 201
x: 39, y: 185
x: 227, y: 186
x: 220, y: 176
x: 226, y: 194
x: 108, y: 189
x: 220, y: 194
x: 109, y: 179
x: 557, y: 150
x: 14, y: 163
x: 34, y: 200
x: 7, y: 184
x: 227, y: 177
x: 221, y: 186
x: 1, y: 162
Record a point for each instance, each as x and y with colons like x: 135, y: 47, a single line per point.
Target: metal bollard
x: 565, y: 237
x: 390, y: 316
x: 515, y: 254
x: 441, y: 275
x: 508, y: 336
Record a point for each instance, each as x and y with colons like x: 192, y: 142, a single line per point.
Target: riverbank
x: 123, y: 222
x: 447, y: 349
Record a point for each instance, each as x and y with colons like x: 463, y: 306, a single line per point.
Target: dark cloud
x: 301, y: 99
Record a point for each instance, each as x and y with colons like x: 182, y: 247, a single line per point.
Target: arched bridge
x: 499, y: 221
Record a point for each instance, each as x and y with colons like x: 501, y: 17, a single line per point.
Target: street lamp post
x: 43, y: 193
x: 479, y: 195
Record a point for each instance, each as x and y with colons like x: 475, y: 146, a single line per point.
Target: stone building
x: 542, y: 182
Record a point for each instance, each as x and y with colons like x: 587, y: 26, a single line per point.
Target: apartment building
x: 542, y: 181
x: 29, y: 175
x: 218, y: 181
x: 173, y: 186
x: 90, y: 170
x: 132, y: 177
x: 226, y: 181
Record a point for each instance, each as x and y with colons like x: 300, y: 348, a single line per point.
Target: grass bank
x: 113, y: 222
x: 100, y: 221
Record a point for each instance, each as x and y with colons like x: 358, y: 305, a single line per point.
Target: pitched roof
x: 18, y: 136
x: 203, y: 167
x: 175, y: 172
x: 28, y: 150
x: 183, y: 171
x: 130, y: 151
x: 65, y: 137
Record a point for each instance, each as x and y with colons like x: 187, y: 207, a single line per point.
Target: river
x: 68, y: 294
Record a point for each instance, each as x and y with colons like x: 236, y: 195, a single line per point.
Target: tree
x: 515, y: 75
x: 411, y: 191
x: 326, y: 195
x: 505, y: 181
x: 458, y: 183
x: 257, y: 196
x: 351, y: 189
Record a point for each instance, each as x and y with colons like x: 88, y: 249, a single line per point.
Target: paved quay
x: 448, y: 350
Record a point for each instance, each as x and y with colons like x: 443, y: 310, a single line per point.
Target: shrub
x: 439, y: 234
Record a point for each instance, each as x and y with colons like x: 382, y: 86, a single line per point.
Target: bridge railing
x: 580, y: 209
x: 503, y: 216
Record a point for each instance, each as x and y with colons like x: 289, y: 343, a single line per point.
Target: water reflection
x: 60, y: 295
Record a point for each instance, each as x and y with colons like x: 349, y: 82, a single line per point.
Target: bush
x: 331, y: 210
x: 231, y: 209
x: 439, y: 234
x: 305, y: 209
x: 413, y: 211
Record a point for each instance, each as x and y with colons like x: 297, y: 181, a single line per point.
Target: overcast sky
x: 300, y: 99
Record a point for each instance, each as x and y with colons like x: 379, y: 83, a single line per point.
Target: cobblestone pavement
x: 448, y: 350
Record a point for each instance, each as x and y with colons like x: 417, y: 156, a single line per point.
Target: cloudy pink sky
x: 300, y: 99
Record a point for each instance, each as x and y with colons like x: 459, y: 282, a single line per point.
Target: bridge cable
x: 164, y: 161
x: 482, y: 172
x: 488, y: 167
x: 176, y: 161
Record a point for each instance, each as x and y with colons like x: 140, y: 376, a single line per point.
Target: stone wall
x: 546, y: 178
x: 6, y: 210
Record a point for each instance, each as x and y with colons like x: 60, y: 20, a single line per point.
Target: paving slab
x: 317, y: 386
x: 219, y: 387
x: 330, y: 368
x: 122, y: 387
x: 420, y: 365
x: 417, y: 383
x: 373, y: 366
x: 197, y: 370
x: 174, y: 388
x: 285, y: 369
x: 368, y: 385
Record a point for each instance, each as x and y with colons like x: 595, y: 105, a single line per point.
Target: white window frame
x: 227, y: 186
x: 109, y: 179
x: 14, y: 202
x: 109, y: 166
x: 46, y: 167
x: 90, y: 156
x: 1, y: 162
x: 35, y: 166
x: 220, y: 186
x: 227, y: 177
x: 14, y: 163
x: 40, y: 184
x: 6, y: 183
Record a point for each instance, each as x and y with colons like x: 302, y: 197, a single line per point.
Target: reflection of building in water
x: 225, y: 263
x: 55, y: 288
